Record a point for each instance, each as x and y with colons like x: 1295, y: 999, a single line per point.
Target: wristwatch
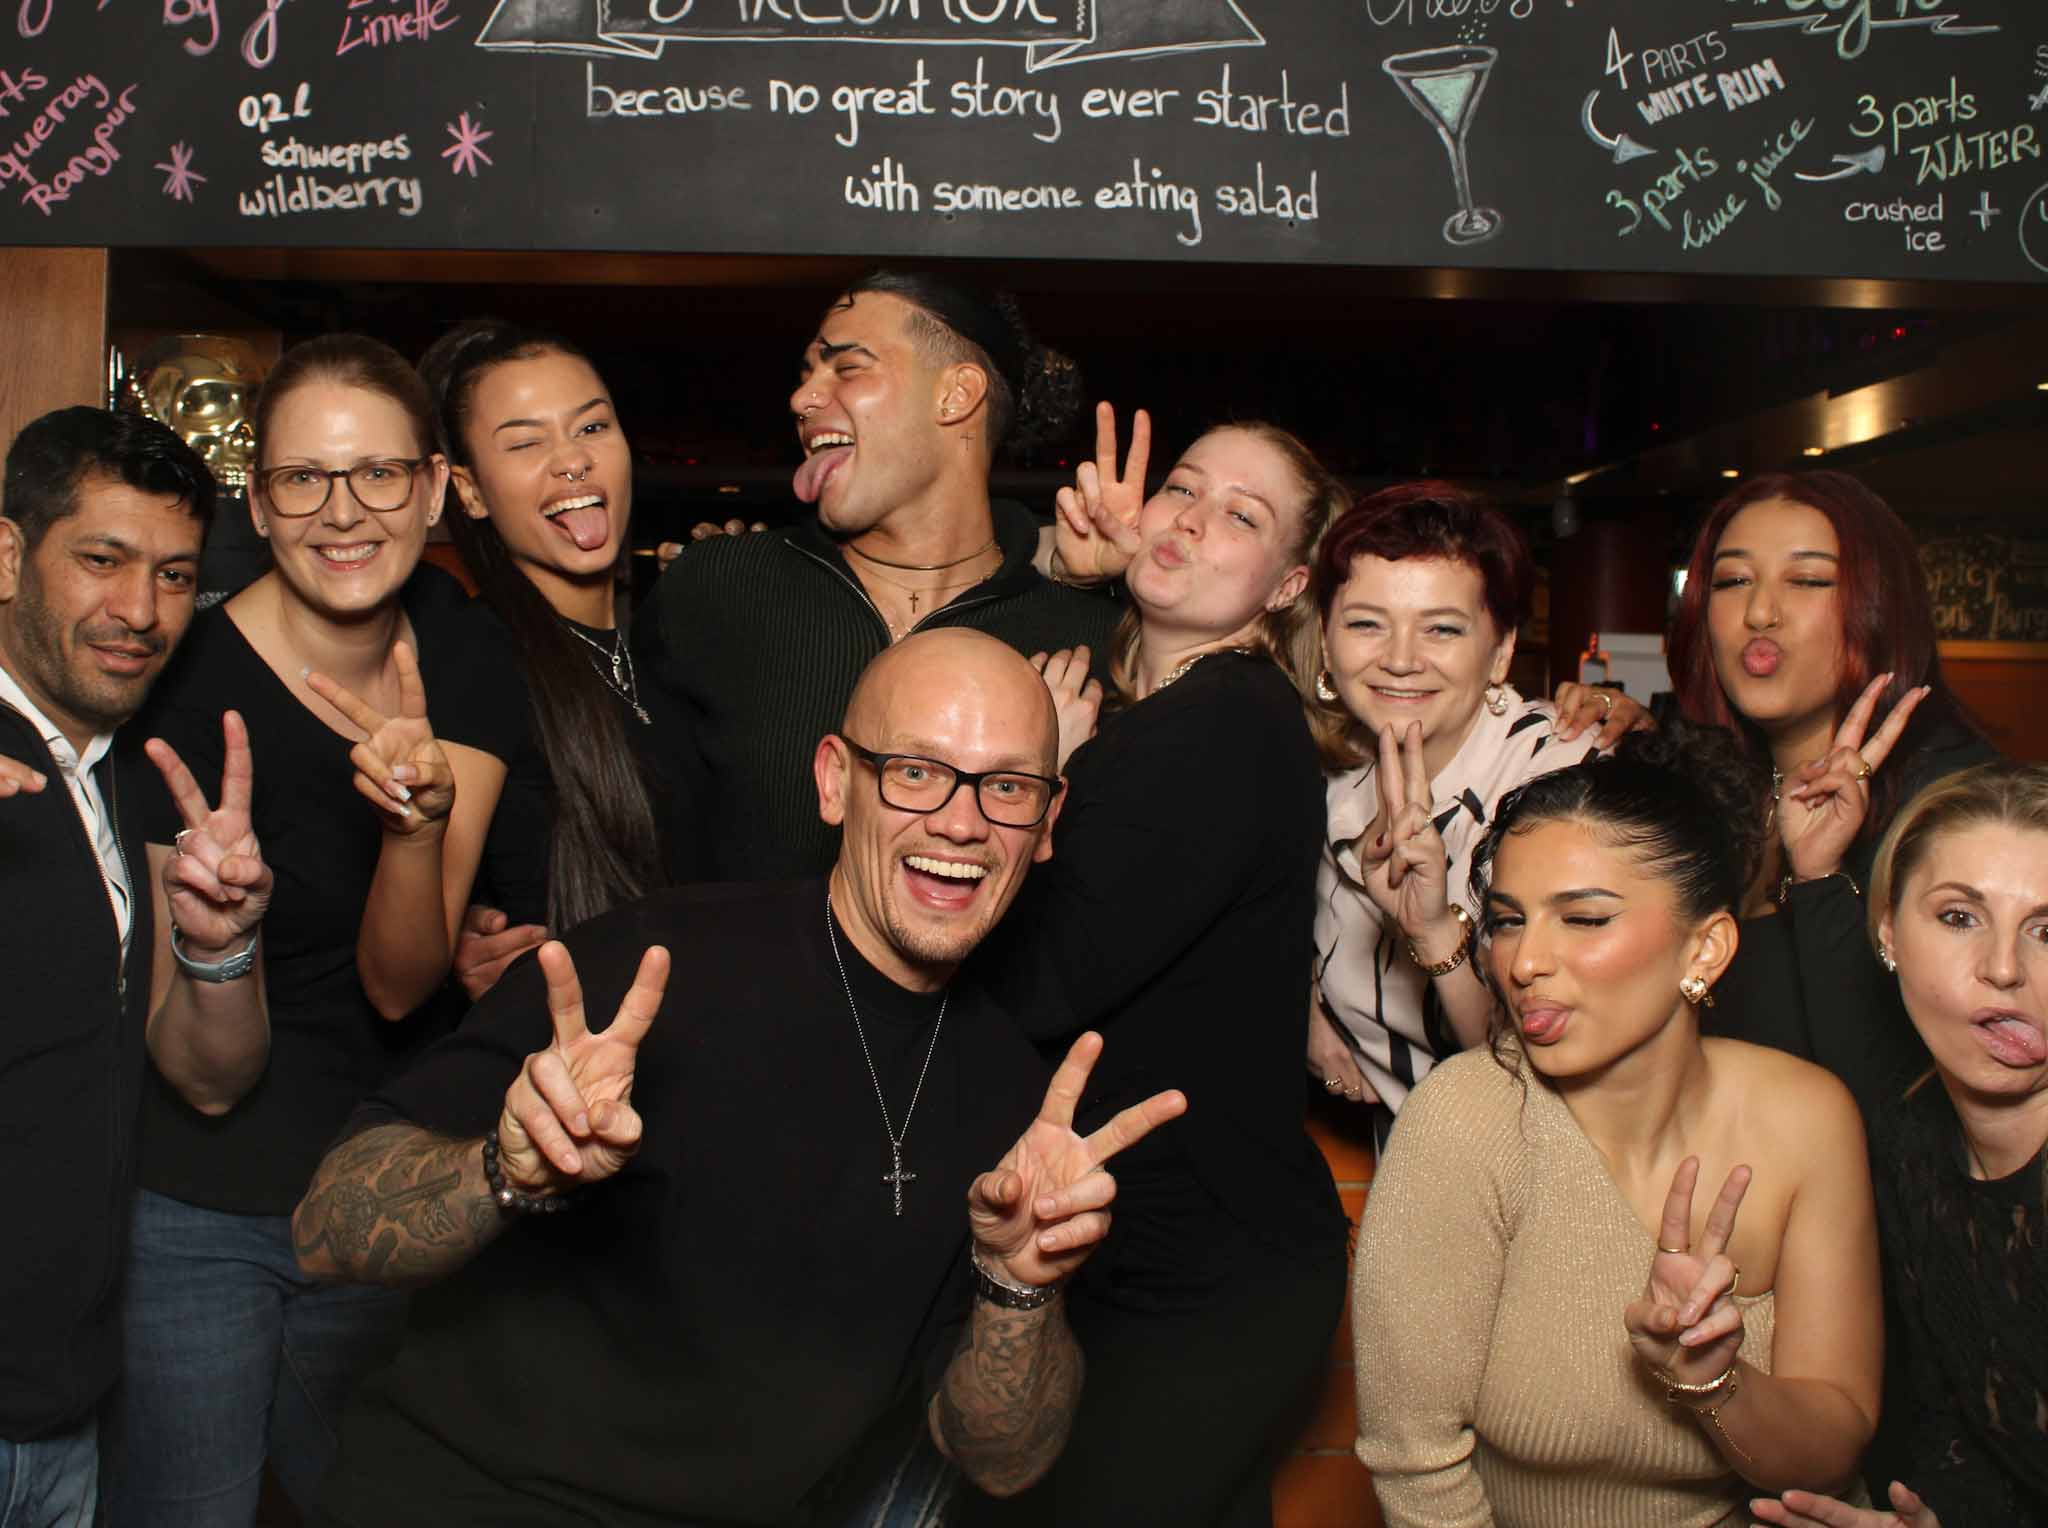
x: 1009, y: 1296
x: 230, y: 968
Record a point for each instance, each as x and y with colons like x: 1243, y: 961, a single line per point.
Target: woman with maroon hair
x: 1806, y: 616
x: 1420, y: 589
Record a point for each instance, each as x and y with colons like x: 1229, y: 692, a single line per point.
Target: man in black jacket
x: 908, y: 389
x: 101, y: 525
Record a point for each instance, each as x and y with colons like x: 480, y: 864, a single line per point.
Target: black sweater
x: 1966, y: 1272
x: 70, y: 1077
x: 761, y: 638
x: 1176, y: 916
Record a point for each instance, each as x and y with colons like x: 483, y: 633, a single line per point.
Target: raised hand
x: 487, y: 942
x: 400, y: 768
x: 1686, y: 1325
x: 568, y: 1117
x: 1037, y: 1216
x: 1823, y: 805
x: 1610, y: 712
x: 16, y: 777
x: 1076, y: 697
x: 1096, y: 530
x: 1803, y: 1509
x: 1406, y: 868
x: 216, y: 881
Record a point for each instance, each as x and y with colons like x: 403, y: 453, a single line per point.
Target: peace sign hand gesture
x: 399, y: 765
x: 1037, y: 1216
x: 568, y: 1117
x: 1407, y: 872
x: 215, y: 880
x: 1095, y: 533
x: 1826, y: 800
x: 1686, y: 1326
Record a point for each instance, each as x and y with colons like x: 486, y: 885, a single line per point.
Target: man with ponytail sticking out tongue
x: 905, y: 393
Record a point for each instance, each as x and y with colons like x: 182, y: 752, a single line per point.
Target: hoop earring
x: 1496, y: 700
x: 1326, y: 691
x: 1696, y: 992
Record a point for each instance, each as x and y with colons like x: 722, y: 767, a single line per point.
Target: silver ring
x: 178, y: 841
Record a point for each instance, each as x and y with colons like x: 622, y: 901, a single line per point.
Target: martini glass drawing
x: 1445, y: 85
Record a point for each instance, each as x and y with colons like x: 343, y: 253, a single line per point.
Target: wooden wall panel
x: 55, y: 304
x: 2006, y: 694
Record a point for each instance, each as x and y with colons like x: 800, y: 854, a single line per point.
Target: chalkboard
x: 1881, y: 138
x: 1988, y: 580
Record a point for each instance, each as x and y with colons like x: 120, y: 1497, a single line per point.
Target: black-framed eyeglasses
x: 910, y: 782
x: 383, y: 484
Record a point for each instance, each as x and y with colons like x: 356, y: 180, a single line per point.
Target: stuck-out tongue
x: 809, y: 481
x: 2017, y: 1042
x: 1761, y: 659
x: 588, y: 528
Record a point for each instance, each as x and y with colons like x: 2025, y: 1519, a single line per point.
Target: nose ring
x: 577, y: 476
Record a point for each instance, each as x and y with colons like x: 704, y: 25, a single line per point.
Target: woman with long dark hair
x: 1805, y: 629
x: 543, y: 482
x: 1613, y: 1271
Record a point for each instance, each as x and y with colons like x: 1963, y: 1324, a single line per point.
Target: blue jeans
x: 50, y: 1483
x: 232, y: 1356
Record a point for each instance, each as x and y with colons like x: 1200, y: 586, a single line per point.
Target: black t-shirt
x: 328, y: 1046
x: 514, y: 874
x: 708, y: 1336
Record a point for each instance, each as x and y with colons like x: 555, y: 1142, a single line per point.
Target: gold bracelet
x: 1788, y: 880
x: 1456, y: 958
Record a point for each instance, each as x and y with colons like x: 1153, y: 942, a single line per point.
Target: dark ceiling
x: 1643, y: 386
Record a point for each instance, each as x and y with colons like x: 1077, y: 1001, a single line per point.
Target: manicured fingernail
x: 398, y: 792
x: 405, y: 811
x: 404, y: 772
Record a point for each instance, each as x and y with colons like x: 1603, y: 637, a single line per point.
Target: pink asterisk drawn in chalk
x: 467, y: 148
x: 179, y: 176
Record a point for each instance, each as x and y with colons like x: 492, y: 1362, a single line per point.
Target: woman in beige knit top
x: 1552, y: 1328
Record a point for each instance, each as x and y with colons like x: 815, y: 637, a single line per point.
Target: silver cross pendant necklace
x: 896, y: 1177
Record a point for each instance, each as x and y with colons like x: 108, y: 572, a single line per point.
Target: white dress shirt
x: 77, y: 770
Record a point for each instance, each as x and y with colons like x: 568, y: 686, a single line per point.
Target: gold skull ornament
x: 204, y: 387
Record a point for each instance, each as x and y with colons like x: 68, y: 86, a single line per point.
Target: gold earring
x: 1325, y: 689
x: 1694, y: 990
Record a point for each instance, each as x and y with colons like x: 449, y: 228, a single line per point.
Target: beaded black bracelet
x: 510, y: 1199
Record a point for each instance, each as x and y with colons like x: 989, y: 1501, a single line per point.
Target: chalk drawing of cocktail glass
x: 1445, y: 85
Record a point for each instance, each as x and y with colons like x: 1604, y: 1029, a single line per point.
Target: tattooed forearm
x: 1007, y: 1401
x: 395, y: 1205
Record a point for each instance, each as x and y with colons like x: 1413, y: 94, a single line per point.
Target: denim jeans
x: 50, y: 1483
x: 232, y: 1357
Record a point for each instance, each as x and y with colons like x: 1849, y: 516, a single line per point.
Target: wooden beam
x: 56, y: 351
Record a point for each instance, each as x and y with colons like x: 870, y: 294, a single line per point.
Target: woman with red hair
x: 1420, y: 589
x: 1806, y: 617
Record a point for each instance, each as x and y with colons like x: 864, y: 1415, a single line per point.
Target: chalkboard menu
x: 1988, y: 580
x: 1884, y: 138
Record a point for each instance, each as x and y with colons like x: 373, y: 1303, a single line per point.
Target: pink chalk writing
x: 403, y: 21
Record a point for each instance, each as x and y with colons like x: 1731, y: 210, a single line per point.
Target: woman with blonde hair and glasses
x: 331, y: 658
x: 1959, y: 910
